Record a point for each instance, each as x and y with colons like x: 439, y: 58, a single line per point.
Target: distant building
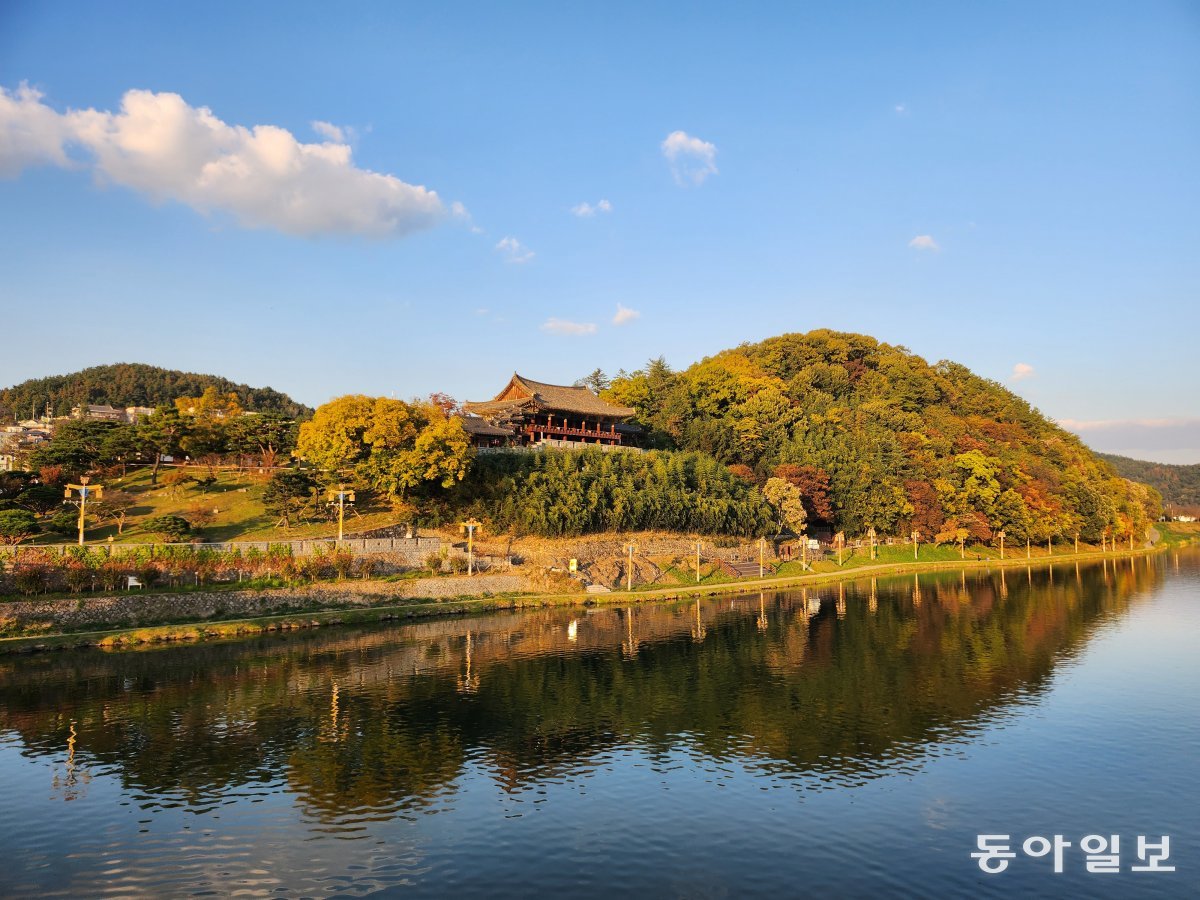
x: 103, y: 412
x: 532, y: 413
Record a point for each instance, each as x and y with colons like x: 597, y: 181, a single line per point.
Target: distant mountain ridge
x: 132, y: 384
x: 1179, y: 485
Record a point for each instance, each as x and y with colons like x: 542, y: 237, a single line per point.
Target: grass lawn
x: 234, y: 502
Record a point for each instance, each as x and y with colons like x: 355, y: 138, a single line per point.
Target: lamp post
x: 469, y: 526
x: 86, y: 492
x: 341, y: 497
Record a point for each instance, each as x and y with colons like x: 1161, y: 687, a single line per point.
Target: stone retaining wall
x: 133, y: 608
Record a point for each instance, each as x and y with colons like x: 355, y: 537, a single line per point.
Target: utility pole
x: 96, y: 492
x: 341, y: 497
x: 470, y: 525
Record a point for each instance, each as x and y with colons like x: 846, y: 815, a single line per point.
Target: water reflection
x: 841, y: 684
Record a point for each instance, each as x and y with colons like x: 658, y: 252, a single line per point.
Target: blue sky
x: 1006, y: 185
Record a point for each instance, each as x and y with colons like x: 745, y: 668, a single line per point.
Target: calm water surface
x: 849, y: 741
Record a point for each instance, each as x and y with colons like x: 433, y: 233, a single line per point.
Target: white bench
x: 132, y: 581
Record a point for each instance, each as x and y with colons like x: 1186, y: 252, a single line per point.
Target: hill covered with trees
x: 887, y: 440
x: 1179, y: 485
x: 133, y: 384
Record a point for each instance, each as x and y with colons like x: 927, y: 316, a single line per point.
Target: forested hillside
x: 897, y: 443
x: 1179, y: 485
x: 132, y: 384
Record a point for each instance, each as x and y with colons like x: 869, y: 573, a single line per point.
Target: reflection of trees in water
x: 847, y: 680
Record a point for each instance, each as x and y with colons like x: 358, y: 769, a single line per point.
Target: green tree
x: 17, y: 525
x: 785, y: 498
x: 288, y: 494
x: 268, y: 436
x: 77, y: 445
x: 169, y: 528
x: 162, y: 435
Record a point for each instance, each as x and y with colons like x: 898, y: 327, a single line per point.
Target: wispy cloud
x: 625, y: 315
x: 573, y: 329
x: 901, y: 109
x: 330, y: 132
x: 586, y: 210
x: 924, y: 242
x: 262, y: 176
x: 692, y: 160
x: 514, y: 250
x: 1021, y: 371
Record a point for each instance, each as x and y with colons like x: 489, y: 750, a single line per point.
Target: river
x: 847, y: 741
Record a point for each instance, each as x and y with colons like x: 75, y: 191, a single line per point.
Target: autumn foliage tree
x: 392, y: 446
x: 876, y: 437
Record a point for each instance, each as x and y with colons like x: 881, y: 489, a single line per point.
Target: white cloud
x: 924, y: 242
x: 262, y: 176
x: 585, y: 210
x: 1021, y: 371
x: 515, y: 250
x: 625, y: 315
x: 330, y: 132
x: 901, y: 109
x: 562, y: 326
x: 692, y: 160
x: 31, y: 133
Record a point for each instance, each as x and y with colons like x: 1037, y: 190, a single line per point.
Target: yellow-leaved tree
x: 391, y: 445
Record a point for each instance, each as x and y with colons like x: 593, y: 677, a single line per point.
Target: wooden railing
x: 557, y: 430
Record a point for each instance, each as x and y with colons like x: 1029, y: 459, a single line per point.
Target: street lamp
x: 469, y: 526
x: 85, y: 492
x: 341, y: 497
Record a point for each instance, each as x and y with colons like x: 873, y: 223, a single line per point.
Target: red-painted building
x: 528, y: 413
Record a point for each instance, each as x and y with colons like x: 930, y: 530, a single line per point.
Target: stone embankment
x: 135, y: 609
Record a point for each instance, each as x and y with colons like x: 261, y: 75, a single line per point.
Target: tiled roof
x: 476, y: 426
x: 557, y: 397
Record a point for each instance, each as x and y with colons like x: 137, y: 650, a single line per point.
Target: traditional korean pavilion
x: 530, y: 412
